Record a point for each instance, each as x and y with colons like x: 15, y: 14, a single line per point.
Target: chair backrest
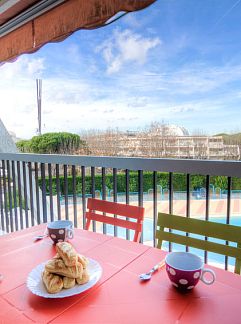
x: 206, y: 228
x: 131, y: 212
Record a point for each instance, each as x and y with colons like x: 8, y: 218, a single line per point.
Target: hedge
x: 179, y: 182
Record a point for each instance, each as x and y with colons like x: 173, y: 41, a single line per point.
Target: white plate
x: 36, y: 285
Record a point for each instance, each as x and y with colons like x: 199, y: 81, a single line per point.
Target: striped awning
x: 25, y: 26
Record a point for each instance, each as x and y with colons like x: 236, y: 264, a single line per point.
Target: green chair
x: 206, y: 228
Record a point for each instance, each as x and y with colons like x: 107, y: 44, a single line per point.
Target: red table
x: 119, y: 296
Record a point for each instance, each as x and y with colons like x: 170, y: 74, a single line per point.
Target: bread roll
x: 58, y: 266
x: 67, y: 253
x: 68, y: 282
x: 52, y: 282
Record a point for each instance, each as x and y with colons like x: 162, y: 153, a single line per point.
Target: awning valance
x: 59, y: 22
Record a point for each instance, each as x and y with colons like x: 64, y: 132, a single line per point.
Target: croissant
x: 67, y: 253
x: 68, y: 282
x: 52, y: 282
x: 84, y: 278
x: 58, y: 266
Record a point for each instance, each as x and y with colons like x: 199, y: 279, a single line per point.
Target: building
x: 7, y: 143
x: 161, y: 141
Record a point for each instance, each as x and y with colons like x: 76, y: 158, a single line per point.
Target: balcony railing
x: 36, y: 189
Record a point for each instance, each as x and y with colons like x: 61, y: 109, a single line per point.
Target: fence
x: 23, y: 203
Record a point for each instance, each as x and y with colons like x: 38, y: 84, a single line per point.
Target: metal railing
x: 37, y: 188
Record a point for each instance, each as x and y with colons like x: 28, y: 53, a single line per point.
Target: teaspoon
x: 147, y: 276
x: 40, y: 237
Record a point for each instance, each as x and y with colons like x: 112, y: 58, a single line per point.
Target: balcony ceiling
x: 25, y: 25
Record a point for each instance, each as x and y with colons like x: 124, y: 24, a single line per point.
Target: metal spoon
x: 40, y: 237
x: 147, y: 276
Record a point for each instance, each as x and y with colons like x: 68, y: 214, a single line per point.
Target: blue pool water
x: 148, y: 236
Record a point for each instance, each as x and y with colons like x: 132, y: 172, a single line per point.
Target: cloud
x: 190, y: 80
x: 125, y: 47
x: 77, y: 101
x: 201, y: 78
x: 35, y: 66
x: 108, y: 111
x: 186, y: 108
x: 26, y: 66
x: 68, y: 104
x: 132, y: 21
x: 138, y: 102
x: 73, y: 53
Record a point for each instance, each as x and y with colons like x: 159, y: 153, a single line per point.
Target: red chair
x: 103, y: 206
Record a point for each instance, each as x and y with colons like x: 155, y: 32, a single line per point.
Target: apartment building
x: 165, y: 141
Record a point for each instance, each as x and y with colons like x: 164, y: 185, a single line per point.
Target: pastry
x: 52, y: 282
x: 57, y: 256
x: 67, y: 253
x: 68, y: 282
x: 84, y: 278
x: 58, y: 266
x: 83, y: 260
x: 65, y: 269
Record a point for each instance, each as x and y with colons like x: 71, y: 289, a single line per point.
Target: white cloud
x: 68, y: 104
x: 18, y: 94
x: 190, y: 80
x: 35, y: 67
x: 126, y: 47
x: 138, y: 102
x: 76, y: 103
x: 185, y: 108
x: 26, y: 66
x: 203, y: 78
x: 132, y: 21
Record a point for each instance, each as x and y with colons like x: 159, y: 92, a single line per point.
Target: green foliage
x: 24, y: 146
x: 52, y: 143
x: 179, y: 182
x: 162, y: 179
x: 220, y: 182
x: 198, y: 181
x: 236, y: 183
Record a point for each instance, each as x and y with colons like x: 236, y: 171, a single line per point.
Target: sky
x: 175, y: 62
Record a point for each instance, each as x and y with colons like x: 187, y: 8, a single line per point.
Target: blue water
x: 148, y: 236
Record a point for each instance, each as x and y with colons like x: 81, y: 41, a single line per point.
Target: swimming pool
x: 148, y: 236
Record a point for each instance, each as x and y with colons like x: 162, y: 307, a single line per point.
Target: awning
x: 25, y: 26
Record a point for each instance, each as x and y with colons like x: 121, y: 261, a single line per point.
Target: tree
x: 24, y: 146
x: 53, y: 143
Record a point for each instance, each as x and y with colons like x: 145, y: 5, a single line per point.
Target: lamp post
x: 39, y: 103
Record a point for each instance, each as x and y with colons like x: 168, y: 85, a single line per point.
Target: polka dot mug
x: 185, y: 269
x: 60, y: 230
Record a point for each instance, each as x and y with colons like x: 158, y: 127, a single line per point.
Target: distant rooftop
x: 174, y: 130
